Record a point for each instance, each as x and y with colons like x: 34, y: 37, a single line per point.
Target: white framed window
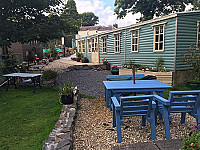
x: 158, y: 44
x: 104, y: 40
x: 134, y: 40
x: 83, y: 46
x: 93, y: 44
x: 198, y: 34
x: 96, y: 44
x: 117, y: 43
x: 89, y: 45
x: 79, y: 46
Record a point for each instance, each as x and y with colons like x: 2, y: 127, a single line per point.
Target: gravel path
x: 89, y: 82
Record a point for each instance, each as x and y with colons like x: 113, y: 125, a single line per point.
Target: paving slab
x: 173, y: 144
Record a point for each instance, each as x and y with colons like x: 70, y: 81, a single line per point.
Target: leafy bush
x: 159, y: 63
x: 49, y: 75
x: 84, y: 60
x: 67, y: 88
x: 193, y: 140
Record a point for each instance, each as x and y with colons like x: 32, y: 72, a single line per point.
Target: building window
x: 96, y: 44
x: 117, y: 43
x: 159, y: 37
x: 104, y: 39
x: 198, y: 34
x: 79, y: 46
x: 83, y: 46
x: 89, y: 45
x: 93, y: 44
x: 134, y: 40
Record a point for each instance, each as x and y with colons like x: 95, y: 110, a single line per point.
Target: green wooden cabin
x: 168, y: 37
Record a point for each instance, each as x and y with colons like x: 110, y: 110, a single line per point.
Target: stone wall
x: 61, y: 137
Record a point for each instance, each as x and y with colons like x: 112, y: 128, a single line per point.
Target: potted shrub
x: 49, y: 77
x: 66, y: 94
x: 193, y: 59
x: 192, y: 141
x: 106, y: 64
x: 84, y: 60
x: 115, y: 70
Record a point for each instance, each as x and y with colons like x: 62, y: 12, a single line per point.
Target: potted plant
x: 115, y: 70
x: 193, y: 59
x: 66, y: 93
x: 106, y: 64
x: 49, y: 77
x: 84, y: 60
x: 192, y: 141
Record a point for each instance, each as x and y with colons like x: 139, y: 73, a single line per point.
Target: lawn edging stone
x: 61, y: 136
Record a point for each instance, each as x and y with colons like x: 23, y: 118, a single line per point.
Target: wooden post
x: 133, y: 70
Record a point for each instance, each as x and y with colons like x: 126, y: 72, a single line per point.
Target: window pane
x: 132, y: 47
x: 161, y: 29
x: 135, y: 48
x: 133, y: 34
x: 161, y: 46
x: 161, y: 37
x: 136, y: 33
x: 156, y: 38
x: 157, y: 29
x: 156, y: 46
x: 136, y: 40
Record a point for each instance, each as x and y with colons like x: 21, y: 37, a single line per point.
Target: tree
x: 149, y: 8
x: 24, y: 21
x: 89, y: 19
x: 70, y: 18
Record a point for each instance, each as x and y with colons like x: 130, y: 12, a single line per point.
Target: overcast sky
x: 104, y: 9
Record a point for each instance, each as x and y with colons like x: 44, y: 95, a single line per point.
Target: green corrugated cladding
x: 145, y: 55
x: 111, y: 56
x: 186, y: 35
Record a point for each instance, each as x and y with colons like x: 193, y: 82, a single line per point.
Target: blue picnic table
x: 118, y: 87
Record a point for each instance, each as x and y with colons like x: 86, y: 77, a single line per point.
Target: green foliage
x: 130, y: 64
x: 49, y: 75
x: 193, y: 59
x: 158, y: 63
x: 89, y: 19
x: 105, y: 61
x: 84, y: 60
x: 26, y: 21
x: 27, y: 118
x: 79, y: 55
x: 149, y: 8
x: 67, y: 88
x: 193, y: 140
x: 9, y: 64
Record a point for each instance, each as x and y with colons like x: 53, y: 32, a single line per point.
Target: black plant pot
x: 115, y: 71
x: 193, y: 85
x: 67, y: 99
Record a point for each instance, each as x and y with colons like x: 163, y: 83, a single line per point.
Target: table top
x: 25, y: 75
x: 139, y: 84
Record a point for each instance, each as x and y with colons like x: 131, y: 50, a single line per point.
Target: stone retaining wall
x: 61, y: 137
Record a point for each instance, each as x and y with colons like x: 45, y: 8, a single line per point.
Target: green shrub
x: 193, y: 140
x: 49, y: 75
x: 84, y: 60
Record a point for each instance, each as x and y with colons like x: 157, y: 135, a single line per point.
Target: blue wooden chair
x: 180, y: 102
x: 142, y: 105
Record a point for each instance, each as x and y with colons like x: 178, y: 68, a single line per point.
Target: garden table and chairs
x: 12, y: 78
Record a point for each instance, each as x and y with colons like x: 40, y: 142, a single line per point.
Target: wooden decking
x: 165, y: 77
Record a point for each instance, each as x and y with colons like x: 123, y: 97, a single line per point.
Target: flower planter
x: 114, y: 71
x: 67, y: 99
x: 193, y: 85
x: 105, y: 67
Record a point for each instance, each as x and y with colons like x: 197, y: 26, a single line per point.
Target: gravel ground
x: 93, y: 127
x: 89, y: 82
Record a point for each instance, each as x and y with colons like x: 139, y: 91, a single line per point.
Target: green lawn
x: 26, y: 119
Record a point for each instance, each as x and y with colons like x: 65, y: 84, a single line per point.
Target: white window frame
x: 133, y: 40
x: 79, y: 46
x: 104, y: 44
x: 117, y: 42
x: 96, y: 44
x: 83, y: 46
x: 89, y: 45
x: 159, y: 35
x: 198, y: 35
